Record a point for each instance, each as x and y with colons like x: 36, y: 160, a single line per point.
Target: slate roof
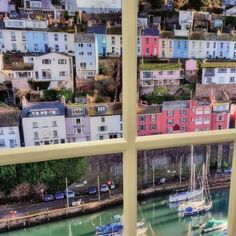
x: 8, y: 116
x: 151, y: 32
x: 84, y: 38
x: 97, y: 29
x: 58, y: 107
x: 172, y: 105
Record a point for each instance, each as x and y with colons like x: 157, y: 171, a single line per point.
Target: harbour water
x: 156, y: 212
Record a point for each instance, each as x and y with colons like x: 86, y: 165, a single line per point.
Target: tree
x: 22, y: 190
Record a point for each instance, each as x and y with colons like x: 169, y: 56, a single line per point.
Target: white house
x: 9, y: 127
x: 230, y: 12
x: 94, y: 6
x: 186, y: 19
x: 105, y: 121
x: 197, y: 49
x: 13, y: 40
x: 61, y: 42
x: 114, y: 45
x: 43, y: 123
x: 86, y: 56
x: 53, y: 67
x: 219, y: 72
x: 26, y: 24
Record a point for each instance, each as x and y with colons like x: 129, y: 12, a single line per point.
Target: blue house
x: 100, y: 32
x: 37, y: 41
x: 180, y: 48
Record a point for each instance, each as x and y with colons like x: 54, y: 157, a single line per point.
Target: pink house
x: 153, y: 75
x: 150, y: 42
x: 182, y: 116
x: 191, y: 70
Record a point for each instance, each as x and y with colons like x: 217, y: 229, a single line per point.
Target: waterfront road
x: 28, y: 208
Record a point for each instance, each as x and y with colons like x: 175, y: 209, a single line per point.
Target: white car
x: 104, y: 188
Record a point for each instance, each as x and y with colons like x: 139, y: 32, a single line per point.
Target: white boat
x: 194, y: 203
x: 204, y: 205
x: 214, y: 225
x: 192, y: 193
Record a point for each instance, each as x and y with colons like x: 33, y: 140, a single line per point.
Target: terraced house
x: 162, y: 74
x: 216, y: 72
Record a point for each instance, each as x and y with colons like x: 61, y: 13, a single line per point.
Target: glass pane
x: 187, y: 186
x: 36, y: 193
x: 61, y: 73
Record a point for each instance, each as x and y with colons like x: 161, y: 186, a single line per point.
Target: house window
x: 183, y: 120
x: 153, y: 127
x: 220, y: 118
x: 147, y: 51
x: 183, y: 112
x: 2, y: 143
x: 183, y: 128
x: 147, y: 40
x: 232, y: 70
x: 36, y: 143
x: 78, y: 121
x: 23, y: 36
x: 55, y: 134
x: 36, y: 135
x: 153, y: 117
x: 62, y: 61
x: 56, y: 48
x: 121, y: 126
x: 101, y: 109
x: 101, y: 137
x: 222, y: 70
x: 14, y: 47
x: 35, y: 125
x: 142, y: 118
x: 36, y: 74
x: 214, y: 45
x: 81, y: 53
x: 208, y: 44
x: 103, y: 119
x: 65, y: 37
x: 46, y: 61
x: 113, y: 40
x: 221, y: 45
x: 163, y: 44
x: 54, y: 123
x: 169, y: 121
x: 185, y: 44
x: 102, y: 128
x: 11, y: 130
x: 142, y: 127
x: 55, y: 37
x: 232, y: 79
x: 169, y: 130
x: 112, y: 136
x: 63, y: 73
x: 208, y: 80
x: 170, y: 113
x: 79, y: 130
x: 1, y: 131
x: 81, y: 45
x: 89, y: 53
x: 83, y: 65
x: 36, y: 47
x: 155, y: 40
x: 13, y: 36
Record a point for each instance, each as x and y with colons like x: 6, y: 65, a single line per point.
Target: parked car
x: 111, y: 184
x: 92, y: 190
x: 69, y: 194
x: 228, y: 171
x: 104, y: 188
x: 59, y: 195
x: 48, y: 198
x: 76, y: 202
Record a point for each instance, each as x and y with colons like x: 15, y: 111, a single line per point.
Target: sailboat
x: 214, y: 225
x: 190, y: 194
x: 201, y: 207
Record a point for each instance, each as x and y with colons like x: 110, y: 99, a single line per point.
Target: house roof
x: 151, y: 31
x: 167, y: 35
x: 97, y: 29
x: 220, y: 92
x: 219, y: 64
x: 160, y: 66
x: 8, y: 116
x: 153, y: 109
x: 84, y: 38
x: 117, y: 30
x: 105, y: 109
x: 172, y: 105
x: 36, y: 109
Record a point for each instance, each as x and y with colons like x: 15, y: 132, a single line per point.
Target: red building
x: 183, y: 116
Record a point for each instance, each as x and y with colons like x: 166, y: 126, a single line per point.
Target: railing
x: 130, y: 143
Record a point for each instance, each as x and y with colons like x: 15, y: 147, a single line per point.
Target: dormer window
x: 101, y: 109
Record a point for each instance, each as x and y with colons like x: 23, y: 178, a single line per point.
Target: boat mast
x: 191, y: 176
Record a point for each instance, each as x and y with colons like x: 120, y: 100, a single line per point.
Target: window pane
x: 35, y: 188
x: 169, y: 177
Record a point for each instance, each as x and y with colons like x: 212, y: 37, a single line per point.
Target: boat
x: 204, y: 205
x: 116, y: 229
x: 190, y: 194
x: 214, y: 225
x: 194, y: 203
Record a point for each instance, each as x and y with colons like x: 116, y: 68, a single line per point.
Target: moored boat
x: 214, y: 225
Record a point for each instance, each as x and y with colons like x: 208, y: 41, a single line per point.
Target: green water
x: 155, y: 211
